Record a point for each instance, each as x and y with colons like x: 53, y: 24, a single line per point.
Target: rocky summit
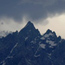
x: 29, y: 47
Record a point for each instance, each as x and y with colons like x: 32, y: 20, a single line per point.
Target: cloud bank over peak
x: 32, y: 9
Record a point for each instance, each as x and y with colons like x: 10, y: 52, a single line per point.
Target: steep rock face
x: 58, y: 56
x: 6, y: 44
x: 29, y: 47
x: 29, y: 31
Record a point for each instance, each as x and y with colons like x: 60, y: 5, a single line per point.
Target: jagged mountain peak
x: 49, y: 34
x: 29, y: 22
x: 48, y: 31
x: 29, y: 30
x: 29, y: 25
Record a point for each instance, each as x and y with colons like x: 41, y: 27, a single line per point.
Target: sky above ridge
x: 45, y: 14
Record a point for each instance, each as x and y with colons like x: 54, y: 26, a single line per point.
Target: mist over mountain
x: 29, y: 47
x: 4, y: 33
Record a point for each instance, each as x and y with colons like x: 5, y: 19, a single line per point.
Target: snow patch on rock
x: 26, y: 38
x: 51, y: 43
x: 47, y: 35
x: 42, y: 38
x: 14, y: 47
x: 42, y: 46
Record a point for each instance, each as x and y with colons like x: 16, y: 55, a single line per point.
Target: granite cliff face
x: 29, y: 47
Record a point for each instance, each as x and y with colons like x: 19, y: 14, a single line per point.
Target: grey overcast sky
x: 45, y: 14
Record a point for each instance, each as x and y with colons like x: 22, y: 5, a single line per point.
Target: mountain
x: 29, y: 47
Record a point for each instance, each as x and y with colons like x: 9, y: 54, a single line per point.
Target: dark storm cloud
x: 2, y: 23
x: 34, y: 9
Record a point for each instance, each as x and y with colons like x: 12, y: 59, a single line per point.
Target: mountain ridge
x: 29, y: 47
